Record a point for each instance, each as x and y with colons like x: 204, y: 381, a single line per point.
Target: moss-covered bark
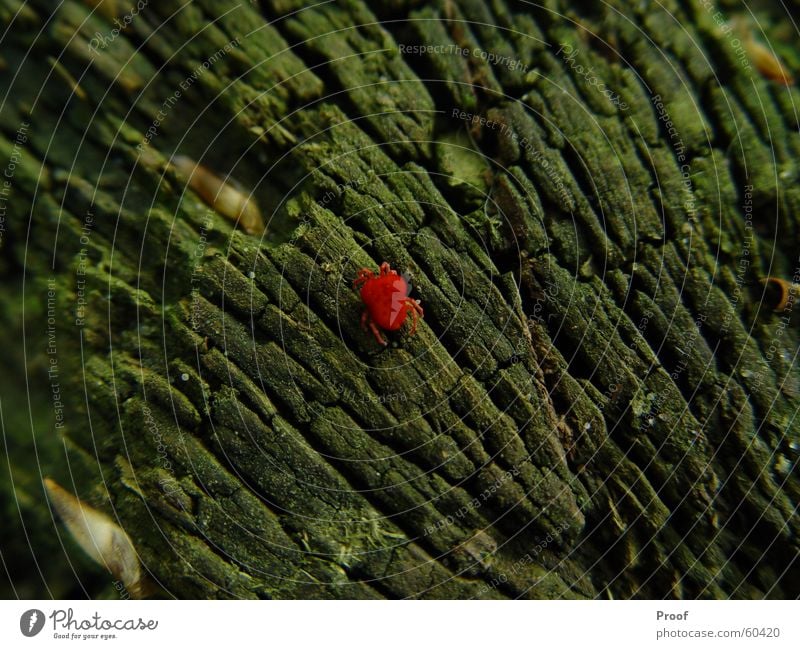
x: 596, y: 404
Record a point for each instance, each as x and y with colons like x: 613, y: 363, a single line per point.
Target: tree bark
x: 598, y: 402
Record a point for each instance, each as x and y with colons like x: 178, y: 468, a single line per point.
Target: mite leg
x: 416, y: 311
x: 363, y: 275
x: 377, y: 333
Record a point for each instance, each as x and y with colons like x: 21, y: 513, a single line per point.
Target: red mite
x: 386, y: 299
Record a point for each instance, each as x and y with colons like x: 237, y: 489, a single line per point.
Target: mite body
x: 386, y: 301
